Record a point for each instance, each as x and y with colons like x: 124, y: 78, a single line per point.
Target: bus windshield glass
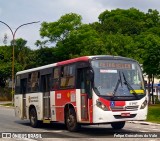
x: 118, y: 79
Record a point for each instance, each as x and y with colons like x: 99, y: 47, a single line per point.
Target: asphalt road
x: 9, y: 123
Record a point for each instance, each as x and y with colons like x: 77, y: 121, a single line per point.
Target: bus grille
x: 120, y: 117
x: 132, y: 107
x: 124, y: 108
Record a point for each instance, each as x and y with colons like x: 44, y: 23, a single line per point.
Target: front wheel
x: 71, y: 120
x: 118, y: 125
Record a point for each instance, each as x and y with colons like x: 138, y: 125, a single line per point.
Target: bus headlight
x: 101, y: 105
x: 144, y: 104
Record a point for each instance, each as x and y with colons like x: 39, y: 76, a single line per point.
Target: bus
x: 88, y: 90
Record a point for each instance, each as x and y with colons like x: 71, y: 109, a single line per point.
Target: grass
x: 154, y: 113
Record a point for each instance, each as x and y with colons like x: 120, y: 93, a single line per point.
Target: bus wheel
x: 33, y: 118
x: 71, y: 120
x: 118, y: 125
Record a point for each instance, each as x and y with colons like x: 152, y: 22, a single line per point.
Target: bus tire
x: 71, y: 120
x: 118, y: 125
x: 33, y: 118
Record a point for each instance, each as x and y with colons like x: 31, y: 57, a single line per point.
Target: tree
x: 42, y: 56
x: 5, y: 39
x: 149, y: 44
x: 128, y: 22
x: 119, y: 44
x: 82, y: 41
x: 59, y: 30
x: 1, y: 56
x: 20, y: 52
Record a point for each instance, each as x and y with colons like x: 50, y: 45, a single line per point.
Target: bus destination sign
x: 115, y: 65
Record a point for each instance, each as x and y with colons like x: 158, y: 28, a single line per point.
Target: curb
x: 144, y: 123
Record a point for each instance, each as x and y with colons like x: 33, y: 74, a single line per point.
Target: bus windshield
x: 118, y: 79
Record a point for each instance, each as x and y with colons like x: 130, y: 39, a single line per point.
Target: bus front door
x: 45, y: 81
x: 84, y: 85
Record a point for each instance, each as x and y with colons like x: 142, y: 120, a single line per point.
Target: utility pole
x: 13, y: 46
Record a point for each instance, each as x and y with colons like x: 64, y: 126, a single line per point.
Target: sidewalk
x: 5, y: 102
x: 144, y: 123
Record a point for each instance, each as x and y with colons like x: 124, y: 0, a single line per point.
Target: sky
x: 18, y: 12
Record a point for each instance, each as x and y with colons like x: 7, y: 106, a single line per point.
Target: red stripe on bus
x: 120, y: 103
x: 108, y: 103
x: 90, y: 110
x: 85, y: 58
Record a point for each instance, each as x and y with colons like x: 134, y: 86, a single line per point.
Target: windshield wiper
x: 129, y: 86
x: 117, y: 84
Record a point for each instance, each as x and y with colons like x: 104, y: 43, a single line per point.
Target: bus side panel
x: 62, y: 98
x: 78, y: 104
x: 18, y: 99
x: 36, y: 100
x: 52, y: 105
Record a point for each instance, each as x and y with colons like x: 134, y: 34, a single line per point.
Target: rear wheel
x: 118, y: 125
x: 71, y: 120
x: 33, y: 118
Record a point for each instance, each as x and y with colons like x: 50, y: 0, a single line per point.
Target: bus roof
x: 84, y: 58
x: 36, y: 69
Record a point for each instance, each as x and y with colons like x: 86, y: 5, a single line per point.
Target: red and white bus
x: 85, y: 90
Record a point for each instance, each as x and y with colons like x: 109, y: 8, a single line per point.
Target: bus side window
x: 33, y: 82
x: 23, y: 86
x: 67, y: 77
x: 55, y: 80
x: 17, y: 86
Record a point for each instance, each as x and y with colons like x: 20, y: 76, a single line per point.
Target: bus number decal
x: 59, y: 96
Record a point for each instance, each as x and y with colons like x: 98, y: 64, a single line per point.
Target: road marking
x: 59, y: 131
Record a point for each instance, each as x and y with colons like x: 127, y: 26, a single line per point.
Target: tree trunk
x: 149, y: 90
x: 152, y: 89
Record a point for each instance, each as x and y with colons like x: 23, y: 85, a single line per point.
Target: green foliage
x: 21, y: 58
x: 130, y: 22
x: 119, y: 44
x: 82, y: 41
x: 57, y: 31
x: 42, y: 56
x: 149, y: 47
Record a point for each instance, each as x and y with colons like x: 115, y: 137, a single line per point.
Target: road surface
x: 9, y: 123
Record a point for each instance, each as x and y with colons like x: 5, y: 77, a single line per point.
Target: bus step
x: 46, y: 120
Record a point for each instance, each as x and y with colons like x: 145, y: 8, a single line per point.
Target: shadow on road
x: 89, y: 131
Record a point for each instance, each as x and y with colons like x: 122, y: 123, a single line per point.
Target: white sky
x: 17, y: 12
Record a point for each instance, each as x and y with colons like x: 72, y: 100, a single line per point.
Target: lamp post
x: 13, y: 38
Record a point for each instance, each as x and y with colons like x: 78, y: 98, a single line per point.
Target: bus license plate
x: 125, y: 114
